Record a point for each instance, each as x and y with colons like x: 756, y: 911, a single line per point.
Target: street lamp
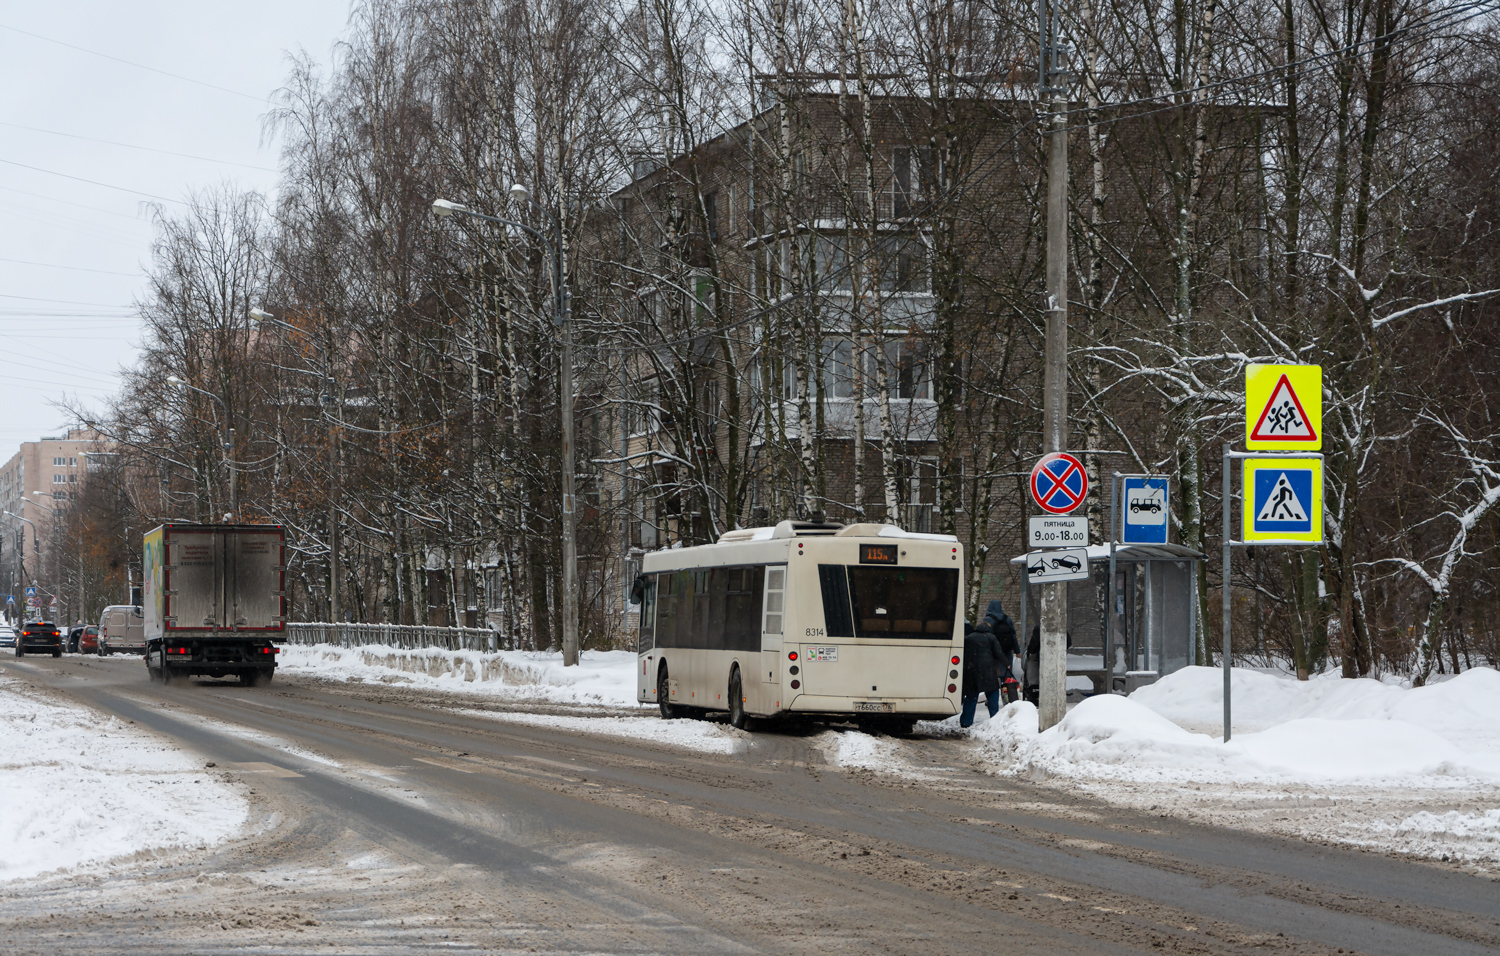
x: 20, y: 552
x: 326, y: 399
x: 234, y: 495
x: 56, y: 556
x: 443, y: 208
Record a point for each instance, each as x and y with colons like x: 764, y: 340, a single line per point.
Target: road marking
x: 439, y: 763
x: 260, y: 766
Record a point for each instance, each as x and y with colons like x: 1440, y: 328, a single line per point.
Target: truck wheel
x: 266, y: 673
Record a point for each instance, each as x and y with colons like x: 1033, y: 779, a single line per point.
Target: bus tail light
x: 796, y: 684
x: 952, y: 688
x: 792, y: 656
x: 955, y: 658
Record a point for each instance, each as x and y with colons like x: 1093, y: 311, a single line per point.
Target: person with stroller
x: 989, y: 653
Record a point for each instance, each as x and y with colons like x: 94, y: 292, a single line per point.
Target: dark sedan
x: 39, y: 636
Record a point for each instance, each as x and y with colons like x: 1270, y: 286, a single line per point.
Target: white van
x: 122, y: 628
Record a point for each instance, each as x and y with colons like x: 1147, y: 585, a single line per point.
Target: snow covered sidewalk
x: 1358, y: 761
x: 79, y: 788
x: 602, y: 677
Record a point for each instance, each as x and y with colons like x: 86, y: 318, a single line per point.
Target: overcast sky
x: 73, y: 253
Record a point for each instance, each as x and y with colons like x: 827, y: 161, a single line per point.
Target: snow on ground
x: 79, y: 788
x: 1358, y: 761
x: 699, y: 735
x: 602, y: 677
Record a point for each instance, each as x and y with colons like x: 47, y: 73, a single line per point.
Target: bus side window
x: 648, y: 615
x: 837, y: 615
x: 775, y: 597
x: 668, y: 589
x: 717, y: 598
x: 742, y: 609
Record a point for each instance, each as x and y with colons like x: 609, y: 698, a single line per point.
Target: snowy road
x: 401, y: 820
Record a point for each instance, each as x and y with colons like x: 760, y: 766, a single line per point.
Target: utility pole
x: 1052, y: 64
x: 570, y: 502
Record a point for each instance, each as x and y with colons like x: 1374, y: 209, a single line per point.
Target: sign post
x: 1281, y: 486
x: 1059, y: 484
x: 1142, y: 519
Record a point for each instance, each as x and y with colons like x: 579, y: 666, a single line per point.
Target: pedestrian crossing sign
x: 1284, y: 407
x: 1283, y: 499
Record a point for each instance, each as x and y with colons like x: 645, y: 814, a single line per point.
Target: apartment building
x: 36, y: 486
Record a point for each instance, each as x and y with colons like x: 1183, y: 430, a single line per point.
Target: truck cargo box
x: 215, y: 581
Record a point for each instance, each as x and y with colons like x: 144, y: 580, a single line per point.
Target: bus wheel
x: 737, y: 718
x: 663, y: 696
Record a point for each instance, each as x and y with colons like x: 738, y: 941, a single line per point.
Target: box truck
x: 214, y: 598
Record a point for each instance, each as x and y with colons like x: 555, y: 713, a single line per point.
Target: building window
x: 59, y: 462
x: 72, y: 479
x: 72, y: 462
x: 59, y: 479
x: 711, y: 214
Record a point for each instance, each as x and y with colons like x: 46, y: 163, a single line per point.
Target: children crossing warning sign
x: 1284, y: 407
x: 1283, y: 499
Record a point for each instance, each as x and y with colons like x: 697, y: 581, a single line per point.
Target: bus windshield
x: 903, y: 602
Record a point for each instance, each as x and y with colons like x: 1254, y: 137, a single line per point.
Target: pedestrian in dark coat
x: 982, y: 662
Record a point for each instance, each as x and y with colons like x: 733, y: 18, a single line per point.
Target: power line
x: 149, y: 149
x: 139, y: 66
x: 92, y: 182
x: 33, y: 298
x: 54, y: 265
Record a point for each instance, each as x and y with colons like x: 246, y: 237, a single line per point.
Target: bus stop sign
x: 1059, y: 483
x: 1145, y: 511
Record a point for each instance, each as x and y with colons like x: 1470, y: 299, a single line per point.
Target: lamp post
x: 561, y: 318
x: 234, y: 496
x: 56, y: 557
x: 35, y: 548
x: 335, y: 571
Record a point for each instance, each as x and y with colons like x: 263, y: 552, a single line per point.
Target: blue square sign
x: 1145, y: 508
x: 1283, y: 501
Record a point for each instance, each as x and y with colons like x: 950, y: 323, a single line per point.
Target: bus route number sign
x: 877, y: 554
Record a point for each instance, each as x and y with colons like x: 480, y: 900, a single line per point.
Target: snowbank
x: 79, y: 788
x: 602, y: 677
x: 1323, y: 731
x: 702, y: 736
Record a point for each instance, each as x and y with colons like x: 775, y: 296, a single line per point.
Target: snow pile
x: 1324, y: 731
x: 79, y: 788
x: 860, y: 751
x: 602, y: 677
x: 699, y: 735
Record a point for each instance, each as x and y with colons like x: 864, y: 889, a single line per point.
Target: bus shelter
x: 1152, y: 630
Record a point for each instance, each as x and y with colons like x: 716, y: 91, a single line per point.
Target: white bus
x: 807, y: 618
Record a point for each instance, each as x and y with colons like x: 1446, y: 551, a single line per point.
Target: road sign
x: 1057, y: 531
x: 1283, y: 499
x: 1058, y: 483
x: 1051, y: 567
x: 10, y: 599
x: 1146, y: 503
x: 1284, y: 407
x: 30, y: 593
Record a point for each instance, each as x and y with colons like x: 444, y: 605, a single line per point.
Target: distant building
x: 37, y: 483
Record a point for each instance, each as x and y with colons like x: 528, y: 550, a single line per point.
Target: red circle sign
x: 1059, y: 483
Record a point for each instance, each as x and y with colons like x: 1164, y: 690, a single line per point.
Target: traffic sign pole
x: 1248, y: 493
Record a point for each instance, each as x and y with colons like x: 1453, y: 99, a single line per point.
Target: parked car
x: 121, y: 629
x: 7, y: 636
x: 88, y: 640
x: 39, y: 636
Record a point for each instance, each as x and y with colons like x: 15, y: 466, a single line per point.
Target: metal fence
x: 400, y: 635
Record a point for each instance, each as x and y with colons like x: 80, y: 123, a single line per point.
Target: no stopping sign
x: 1058, y: 483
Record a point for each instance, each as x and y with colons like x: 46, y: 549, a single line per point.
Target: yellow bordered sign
x: 1283, y: 499
x: 1284, y: 407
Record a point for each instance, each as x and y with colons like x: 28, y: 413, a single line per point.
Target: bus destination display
x: 877, y: 554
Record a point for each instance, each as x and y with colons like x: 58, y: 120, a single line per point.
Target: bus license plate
x: 877, y: 706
